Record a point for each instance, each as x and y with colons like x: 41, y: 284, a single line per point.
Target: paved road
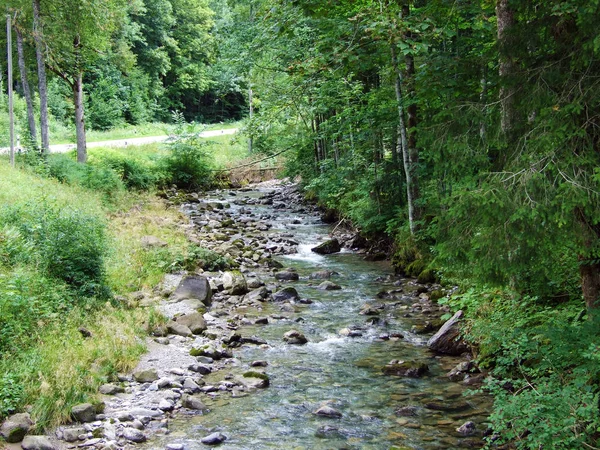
x: 63, y: 148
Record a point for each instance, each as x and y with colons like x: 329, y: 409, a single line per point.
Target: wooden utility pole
x: 251, y: 111
x: 11, y: 117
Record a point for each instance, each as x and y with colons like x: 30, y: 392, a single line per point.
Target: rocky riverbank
x: 192, y: 365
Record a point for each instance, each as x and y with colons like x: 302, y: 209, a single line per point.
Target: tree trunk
x: 402, y: 141
x: 79, y: 118
x: 42, y: 86
x: 589, y: 263
x: 507, y: 68
x: 25, y: 83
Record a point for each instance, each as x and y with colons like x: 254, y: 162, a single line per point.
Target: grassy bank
x: 71, y: 256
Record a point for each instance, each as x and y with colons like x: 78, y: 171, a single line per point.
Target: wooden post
x: 251, y: 111
x: 10, y: 91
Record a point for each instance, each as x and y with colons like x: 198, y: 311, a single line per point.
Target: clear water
x: 342, y: 371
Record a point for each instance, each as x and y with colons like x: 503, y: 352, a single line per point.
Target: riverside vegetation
x: 461, y: 135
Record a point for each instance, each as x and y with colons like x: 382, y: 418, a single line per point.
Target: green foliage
x: 187, y: 164
x: 191, y: 258
x: 61, y: 242
x: 135, y: 172
x: 11, y: 393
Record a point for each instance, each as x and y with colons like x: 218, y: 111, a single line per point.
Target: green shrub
x: 11, y: 393
x: 133, y: 172
x: 61, y: 242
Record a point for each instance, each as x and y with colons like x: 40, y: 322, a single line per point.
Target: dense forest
x: 466, y: 133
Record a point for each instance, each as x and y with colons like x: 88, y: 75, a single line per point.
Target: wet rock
x: 294, y: 337
x: 174, y: 447
x: 329, y: 286
x: 165, y: 405
x: 193, y: 288
x: 194, y: 321
x: 407, y: 411
x: 322, y: 275
x: 146, y: 376
x: 134, y: 435
x: 192, y: 402
x: 214, y: 439
x: 178, y: 329
x: 448, y: 339
x: 16, y: 427
x: 350, y: 333
x: 454, y: 406
x: 152, y: 242
x: 200, y: 368
x: 111, y: 389
x: 467, y: 429
x: 124, y: 416
x: 257, y: 295
x: 37, y: 443
x: 287, y: 275
x: 461, y: 371
x: 235, y: 283
x: 253, y: 340
x: 191, y: 386
x: 286, y: 294
x: 327, y: 411
x: 84, y: 413
x: 258, y: 380
x: 370, y: 310
x: 411, y: 369
x: 259, y: 363
x: 262, y: 321
x: 327, y: 247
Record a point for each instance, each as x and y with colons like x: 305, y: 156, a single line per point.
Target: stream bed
x: 378, y: 411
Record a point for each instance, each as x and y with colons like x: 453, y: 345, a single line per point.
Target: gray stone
x: 286, y: 294
x: 192, y: 402
x: 294, y: 337
x: 37, y: 443
x: 152, y: 241
x: 178, y: 329
x: 193, y: 288
x: 84, y: 413
x: 287, y: 275
x: 235, y: 283
x: 200, y: 368
x: 409, y: 369
x: 145, y: 376
x: 327, y: 411
x: 467, y: 429
x: 214, y: 439
x: 144, y: 412
x: 174, y: 447
x: 111, y: 389
x: 165, y: 405
x: 327, y: 247
x: 259, y: 363
x: 134, y: 435
x: 257, y: 295
x: 322, y: 275
x: 16, y: 427
x: 194, y: 321
x: 124, y: 416
x: 448, y: 339
x: 329, y: 286
x: 191, y: 385
x: 72, y: 434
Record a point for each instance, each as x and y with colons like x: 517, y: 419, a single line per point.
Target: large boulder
x: 84, y: 413
x: 286, y: 294
x: 448, y: 339
x: 327, y: 247
x: 178, y: 329
x: 193, y: 288
x: 194, y: 321
x: 235, y: 283
x: 294, y: 337
x: 146, y: 376
x: 16, y: 427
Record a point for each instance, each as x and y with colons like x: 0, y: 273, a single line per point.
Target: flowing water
x: 345, y: 372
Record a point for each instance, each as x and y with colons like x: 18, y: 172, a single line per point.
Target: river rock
x: 286, y: 294
x: 329, y: 286
x: 111, y: 389
x: 448, y: 339
x: 84, y: 413
x: 322, y: 275
x: 191, y: 386
x: 72, y: 434
x: 37, y: 443
x: 287, y: 275
x: 134, y: 435
x: 16, y: 427
x: 200, y: 368
x: 327, y: 411
x: 193, y: 288
x: 178, y: 329
x: 294, y: 337
x: 214, y: 439
x: 327, y: 247
x: 257, y: 295
x: 258, y: 380
x: 146, y: 376
x: 194, y: 321
x: 467, y: 428
x: 235, y: 283
x: 192, y: 402
x: 461, y: 371
x: 407, y: 411
x: 410, y: 369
